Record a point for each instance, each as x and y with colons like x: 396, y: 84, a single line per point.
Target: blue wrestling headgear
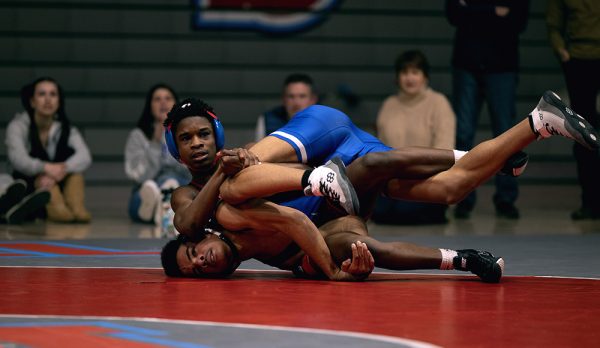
x: 187, y: 108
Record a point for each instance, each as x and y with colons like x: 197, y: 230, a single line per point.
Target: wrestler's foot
x: 330, y: 180
x: 482, y: 263
x: 551, y: 116
x: 515, y: 165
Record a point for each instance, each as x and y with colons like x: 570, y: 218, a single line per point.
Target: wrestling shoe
x: 515, y: 164
x: 482, y: 263
x: 552, y: 117
x: 330, y: 181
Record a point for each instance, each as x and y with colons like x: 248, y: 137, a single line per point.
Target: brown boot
x: 56, y: 209
x: 74, y: 195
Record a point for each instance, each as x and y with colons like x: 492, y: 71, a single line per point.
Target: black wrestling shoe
x: 13, y: 194
x: 507, y: 210
x: 515, y: 164
x: 482, y: 263
x: 552, y: 117
x: 330, y: 181
x: 28, y: 206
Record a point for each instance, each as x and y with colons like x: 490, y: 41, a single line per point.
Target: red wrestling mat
x: 450, y: 311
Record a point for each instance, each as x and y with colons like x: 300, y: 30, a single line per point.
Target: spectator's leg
x: 466, y: 101
x: 500, y: 90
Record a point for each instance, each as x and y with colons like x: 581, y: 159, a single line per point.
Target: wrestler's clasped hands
x: 234, y: 160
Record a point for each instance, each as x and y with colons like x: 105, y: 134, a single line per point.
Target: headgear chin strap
x: 218, y: 132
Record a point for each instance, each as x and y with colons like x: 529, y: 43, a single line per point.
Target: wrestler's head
x: 192, y: 134
x: 210, y: 257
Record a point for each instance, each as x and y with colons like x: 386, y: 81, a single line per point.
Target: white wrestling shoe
x: 552, y: 117
x: 330, y: 181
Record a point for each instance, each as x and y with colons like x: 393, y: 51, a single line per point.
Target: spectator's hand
x: 362, y: 262
x: 564, y: 55
x: 56, y: 171
x: 502, y: 11
x: 44, y: 182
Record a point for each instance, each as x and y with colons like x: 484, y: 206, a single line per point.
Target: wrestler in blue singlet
x: 319, y: 133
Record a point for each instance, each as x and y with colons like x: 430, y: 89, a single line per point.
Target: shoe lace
x: 327, y: 191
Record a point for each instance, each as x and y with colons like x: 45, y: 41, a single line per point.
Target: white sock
x: 448, y: 256
x: 458, y: 154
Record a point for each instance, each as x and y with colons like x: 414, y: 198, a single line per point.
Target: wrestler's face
x: 196, y: 143
x: 45, y: 99
x: 161, y: 103
x: 412, y: 81
x: 209, y: 257
x: 298, y: 96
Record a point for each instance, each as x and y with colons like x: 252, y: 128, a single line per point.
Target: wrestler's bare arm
x: 261, y: 181
x: 193, y: 208
x: 264, y: 216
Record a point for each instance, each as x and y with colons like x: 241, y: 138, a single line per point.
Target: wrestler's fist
x: 234, y: 160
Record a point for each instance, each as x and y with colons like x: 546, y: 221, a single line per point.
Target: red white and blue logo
x: 267, y: 16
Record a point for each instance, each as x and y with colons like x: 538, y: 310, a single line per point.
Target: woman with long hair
x: 46, y: 151
x: 147, y: 161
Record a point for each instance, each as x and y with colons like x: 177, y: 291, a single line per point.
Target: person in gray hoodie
x: 47, y: 152
x: 147, y: 161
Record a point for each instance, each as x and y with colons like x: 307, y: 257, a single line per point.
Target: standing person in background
x: 48, y: 153
x: 486, y: 62
x: 298, y: 94
x: 574, y: 32
x: 147, y: 161
x: 415, y: 116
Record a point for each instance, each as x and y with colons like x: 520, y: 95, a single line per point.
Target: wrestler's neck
x: 201, y: 177
x: 246, y: 248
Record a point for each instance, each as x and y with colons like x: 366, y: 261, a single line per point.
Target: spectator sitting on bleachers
x: 415, y: 116
x: 48, y: 153
x: 298, y: 94
x: 147, y: 161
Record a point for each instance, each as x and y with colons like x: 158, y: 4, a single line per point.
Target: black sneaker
x: 507, y: 210
x: 462, y: 212
x: 515, y: 164
x: 552, y: 117
x: 30, y: 205
x: 482, y: 263
x: 13, y: 194
x: 585, y: 213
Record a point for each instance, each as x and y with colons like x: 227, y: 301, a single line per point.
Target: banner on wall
x: 267, y: 16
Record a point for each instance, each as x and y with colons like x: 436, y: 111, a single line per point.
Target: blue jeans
x: 583, y: 84
x: 469, y: 92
